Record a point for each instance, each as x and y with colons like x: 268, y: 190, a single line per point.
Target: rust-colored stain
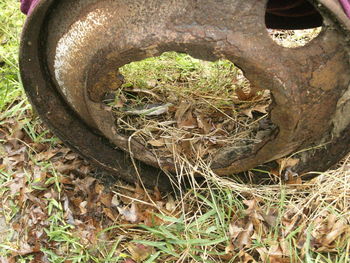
x: 327, y: 76
x: 69, y: 59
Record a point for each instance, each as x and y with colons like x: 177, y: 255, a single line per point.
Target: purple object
x: 346, y: 6
x: 28, y: 5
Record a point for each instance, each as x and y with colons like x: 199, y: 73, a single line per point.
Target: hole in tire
x: 175, y: 104
x: 292, y: 23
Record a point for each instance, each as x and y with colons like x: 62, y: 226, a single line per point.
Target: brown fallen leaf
x: 47, y: 155
x: 279, y: 259
x: 140, y: 252
x: 109, y: 213
x: 150, y: 219
x: 170, y: 204
x: 17, y: 183
x: 248, y: 258
x: 106, y: 199
x: 82, y: 207
x: 66, y: 167
x: 287, y: 162
x: 25, y: 249
x: 185, y: 148
x: 252, y: 93
x: 290, y: 223
x: 156, y: 143
x: 188, y: 121
x: 115, y: 202
x: 204, y: 124
x: 258, y: 108
x: 338, y: 229
x: 182, y: 109
x: 184, y: 117
x: 241, y: 229
x: 271, y: 216
x: 244, y: 238
x: 71, y: 156
x: 296, y: 181
x: 274, y: 254
x: 234, y: 230
x: 84, y: 184
x: 129, y: 214
x: 157, y: 194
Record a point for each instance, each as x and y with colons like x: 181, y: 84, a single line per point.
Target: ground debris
x: 195, y: 113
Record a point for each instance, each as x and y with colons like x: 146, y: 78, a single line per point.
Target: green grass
x: 182, y: 76
x: 11, y: 22
x: 204, y: 221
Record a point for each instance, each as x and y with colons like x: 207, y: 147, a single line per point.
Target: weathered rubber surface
x: 70, y: 51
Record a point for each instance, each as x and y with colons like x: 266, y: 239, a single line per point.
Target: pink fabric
x: 28, y: 5
x: 346, y: 6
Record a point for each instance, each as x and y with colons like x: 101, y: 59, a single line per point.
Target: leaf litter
x: 88, y: 207
x: 48, y: 196
x: 193, y: 108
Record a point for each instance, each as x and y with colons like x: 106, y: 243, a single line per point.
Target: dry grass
x: 306, y: 222
x: 193, y: 107
x: 53, y: 210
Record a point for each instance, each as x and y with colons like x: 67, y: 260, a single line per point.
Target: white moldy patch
x: 68, y: 55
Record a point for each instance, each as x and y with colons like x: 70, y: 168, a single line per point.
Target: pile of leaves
x: 54, y: 209
x: 189, y: 107
x: 287, y: 230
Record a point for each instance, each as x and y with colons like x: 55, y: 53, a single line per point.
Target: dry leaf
x: 295, y: 180
x: 234, y: 230
x: 263, y: 253
x: 242, y: 95
x: 188, y: 121
x: 82, y: 207
x: 279, y: 259
x: 129, y: 214
x: 271, y: 217
x: 115, y: 201
x: 203, y: 124
x: 185, y: 148
x: 338, y: 229
x: 290, y: 224
x: 84, y: 184
x: 287, y: 162
x: 156, y: 143
x: 157, y: 194
x: 140, y: 252
x: 109, y: 213
x: 229, y: 249
x: 16, y: 184
x: 106, y: 199
x: 184, y: 117
x: 244, y: 238
x: 248, y: 258
x: 71, y: 156
x: 258, y: 108
x: 170, y: 204
x: 182, y: 109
